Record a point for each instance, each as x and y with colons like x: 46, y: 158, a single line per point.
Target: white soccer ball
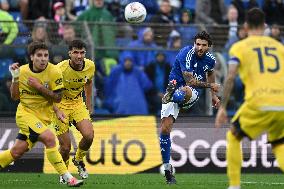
x: 135, y: 13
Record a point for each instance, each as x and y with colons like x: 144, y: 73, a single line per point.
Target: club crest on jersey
x: 38, y: 125
x: 45, y: 84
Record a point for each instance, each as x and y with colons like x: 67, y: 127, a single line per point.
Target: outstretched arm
x: 229, y: 84
x: 222, y: 117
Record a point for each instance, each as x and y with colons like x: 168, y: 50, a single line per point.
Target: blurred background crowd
x: 132, y: 61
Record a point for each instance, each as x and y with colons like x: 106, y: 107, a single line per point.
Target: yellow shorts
x: 254, y: 122
x: 30, y: 126
x: 73, y: 116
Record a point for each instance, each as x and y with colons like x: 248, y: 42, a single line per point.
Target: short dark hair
x: 255, y: 18
x: 204, y: 36
x: 33, y: 46
x: 78, y: 44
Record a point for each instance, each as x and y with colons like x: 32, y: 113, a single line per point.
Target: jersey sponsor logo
x: 58, y: 82
x: 28, y: 92
x: 38, y: 125
x: 45, y: 84
x: 198, y: 77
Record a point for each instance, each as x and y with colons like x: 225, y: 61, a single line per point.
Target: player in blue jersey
x: 192, y: 71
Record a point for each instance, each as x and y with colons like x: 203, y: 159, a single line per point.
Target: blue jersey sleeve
x: 211, y: 63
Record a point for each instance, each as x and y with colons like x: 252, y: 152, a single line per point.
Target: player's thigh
x: 64, y: 140
x: 250, y: 122
x: 80, y: 118
x: 59, y: 126
x: 30, y: 127
x: 276, y: 127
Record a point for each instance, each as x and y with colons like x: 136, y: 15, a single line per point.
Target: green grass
x: 141, y: 181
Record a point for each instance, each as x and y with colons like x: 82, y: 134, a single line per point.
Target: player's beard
x: 200, y: 53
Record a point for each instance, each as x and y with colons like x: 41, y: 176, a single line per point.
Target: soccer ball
x: 135, y: 13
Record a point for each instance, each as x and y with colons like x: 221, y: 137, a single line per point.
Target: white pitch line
x: 265, y: 183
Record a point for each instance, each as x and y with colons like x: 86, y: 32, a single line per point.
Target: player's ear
x: 32, y: 57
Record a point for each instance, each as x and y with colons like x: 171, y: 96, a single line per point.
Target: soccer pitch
x: 141, y: 181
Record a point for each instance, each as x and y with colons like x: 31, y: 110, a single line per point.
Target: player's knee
x: 48, y: 138
x: 17, y: 152
x: 65, y: 149
x: 89, y: 137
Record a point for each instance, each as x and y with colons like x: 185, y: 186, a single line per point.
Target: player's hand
x: 33, y: 82
x: 215, y: 101
x: 60, y: 115
x: 215, y: 87
x: 15, y: 70
x: 221, y: 117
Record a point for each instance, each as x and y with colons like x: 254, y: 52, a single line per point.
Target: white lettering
x: 191, y: 153
x: 4, y: 137
x: 262, y: 143
x: 178, y: 149
x: 252, y: 160
x: 214, y: 150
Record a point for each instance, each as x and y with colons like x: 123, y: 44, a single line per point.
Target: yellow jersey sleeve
x: 56, y: 79
x: 236, y: 52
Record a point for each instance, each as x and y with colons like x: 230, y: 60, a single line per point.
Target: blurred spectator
x: 220, y: 70
x: 8, y: 28
x: 16, y: 5
x: 6, y: 103
x: 241, y: 35
x: 158, y: 72
x: 243, y: 6
x: 187, y: 30
x: 39, y: 33
x: 145, y: 40
x: 174, y: 44
x: 39, y: 9
x: 211, y: 12
x: 164, y: 18
x: 103, y: 35
x: 60, y: 52
x: 232, y: 21
x: 75, y: 7
x: 276, y: 33
x: 59, y: 16
x: 274, y: 11
x: 125, y: 89
x: 116, y: 10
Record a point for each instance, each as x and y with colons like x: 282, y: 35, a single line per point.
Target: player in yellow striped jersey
x: 78, y: 73
x: 37, y: 85
x: 259, y: 60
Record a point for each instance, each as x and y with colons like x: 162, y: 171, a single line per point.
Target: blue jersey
x: 187, y: 60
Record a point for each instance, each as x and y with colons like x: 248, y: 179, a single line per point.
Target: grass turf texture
x: 139, y: 181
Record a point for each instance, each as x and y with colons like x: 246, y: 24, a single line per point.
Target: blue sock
x: 165, y: 144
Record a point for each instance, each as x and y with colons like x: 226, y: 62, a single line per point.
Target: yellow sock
x: 279, y: 154
x: 67, y: 163
x: 80, y: 154
x: 234, y: 159
x: 56, y: 160
x: 6, y: 158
